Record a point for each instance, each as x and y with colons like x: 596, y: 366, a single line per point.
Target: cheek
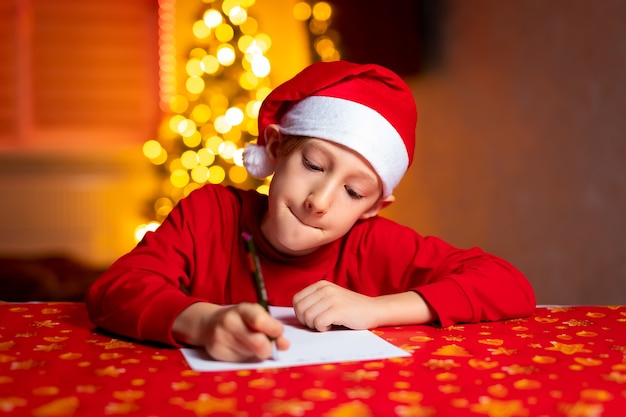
x: 344, y: 217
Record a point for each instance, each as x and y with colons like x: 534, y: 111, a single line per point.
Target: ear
x: 272, y: 139
x: 378, y: 206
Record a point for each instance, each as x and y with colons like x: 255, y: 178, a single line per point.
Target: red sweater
x: 197, y: 254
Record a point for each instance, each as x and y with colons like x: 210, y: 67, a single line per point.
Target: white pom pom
x: 256, y: 161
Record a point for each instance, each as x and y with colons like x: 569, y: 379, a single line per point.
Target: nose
x: 319, y: 199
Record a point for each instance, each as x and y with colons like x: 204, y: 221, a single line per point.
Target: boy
x: 338, y: 137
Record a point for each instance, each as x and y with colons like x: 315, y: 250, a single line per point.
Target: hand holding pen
x: 242, y: 332
x: 236, y: 333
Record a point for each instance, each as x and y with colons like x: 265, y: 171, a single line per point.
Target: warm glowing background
x: 520, y: 147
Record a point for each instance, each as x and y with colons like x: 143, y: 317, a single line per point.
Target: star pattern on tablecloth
x: 55, y: 339
x: 360, y: 375
x: 559, y: 309
x: 409, y: 348
x: 360, y: 392
x: 291, y: 407
x: 9, y: 404
x: 45, y: 323
x: 568, y: 349
x: 129, y: 395
x: 51, y: 310
x: 454, y: 327
x: 318, y: 394
x: 404, y: 396
x: 206, y: 404
x: 578, y: 323
x: 6, y: 358
x: 48, y: 348
x: 182, y: 385
x: 25, y: 365
x: 581, y: 409
x: 121, y: 408
x: 110, y: 371
x: 452, y: 350
x: 482, y: 364
x: 582, y: 348
x: 499, y: 408
x: 588, y: 361
x: 615, y: 376
x: 517, y: 369
x: 116, y: 344
x: 446, y: 364
x: 503, y: 351
x: 88, y: 388
x: 546, y: 320
x: 452, y: 338
x: 352, y: 409
x: 415, y: 410
x: 449, y: 389
x: 65, y: 406
x: 619, y: 348
x: 4, y: 346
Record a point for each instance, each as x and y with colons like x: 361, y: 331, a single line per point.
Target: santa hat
x: 366, y: 108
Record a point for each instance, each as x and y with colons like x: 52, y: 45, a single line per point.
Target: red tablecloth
x: 559, y: 362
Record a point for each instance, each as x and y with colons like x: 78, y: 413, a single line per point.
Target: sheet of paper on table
x: 308, y: 347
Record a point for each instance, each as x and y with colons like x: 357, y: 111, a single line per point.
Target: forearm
x: 403, y: 309
x: 136, y: 305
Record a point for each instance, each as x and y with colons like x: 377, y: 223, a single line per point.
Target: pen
x: 255, y: 266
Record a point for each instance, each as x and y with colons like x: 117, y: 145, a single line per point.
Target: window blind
x: 77, y: 74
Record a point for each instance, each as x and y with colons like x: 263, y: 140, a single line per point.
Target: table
x: 561, y: 361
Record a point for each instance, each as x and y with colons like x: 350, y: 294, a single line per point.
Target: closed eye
x: 310, y: 165
x: 353, y: 194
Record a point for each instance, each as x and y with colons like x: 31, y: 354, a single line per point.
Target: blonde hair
x: 290, y: 144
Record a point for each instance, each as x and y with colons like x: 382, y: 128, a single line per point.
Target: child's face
x: 317, y: 194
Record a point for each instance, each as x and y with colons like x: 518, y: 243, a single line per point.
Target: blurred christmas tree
x: 214, y: 94
x: 214, y: 114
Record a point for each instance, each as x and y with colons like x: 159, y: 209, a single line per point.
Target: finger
x: 224, y: 344
x: 234, y: 340
x: 259, y: 320
x: 282, y: 343
x: 310, y: 290
x: 255, y: 345
x: 307, y: 302
x: 317, y: 316
x: 323, y: 321
x: 266, y: 327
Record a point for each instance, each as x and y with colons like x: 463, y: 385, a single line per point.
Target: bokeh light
x: 211, y: 99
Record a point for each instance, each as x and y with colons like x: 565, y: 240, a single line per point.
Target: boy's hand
x: 324, y: 304
x: 235, y: 333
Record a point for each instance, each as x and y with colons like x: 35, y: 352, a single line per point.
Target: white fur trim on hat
x: 355, y: 126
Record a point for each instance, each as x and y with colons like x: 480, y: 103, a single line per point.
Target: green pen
x: 255, y: 266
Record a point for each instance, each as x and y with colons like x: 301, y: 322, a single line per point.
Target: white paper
x: 307, y: 347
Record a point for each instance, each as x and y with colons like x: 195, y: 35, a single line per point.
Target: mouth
x: 301, y: 221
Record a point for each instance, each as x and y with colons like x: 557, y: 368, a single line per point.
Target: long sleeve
x: 143, y: 292
x: 142, y: 287
x: 476, y: 286
x: 461, y: 285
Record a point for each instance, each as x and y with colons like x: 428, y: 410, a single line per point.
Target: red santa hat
x: 366, y: 108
